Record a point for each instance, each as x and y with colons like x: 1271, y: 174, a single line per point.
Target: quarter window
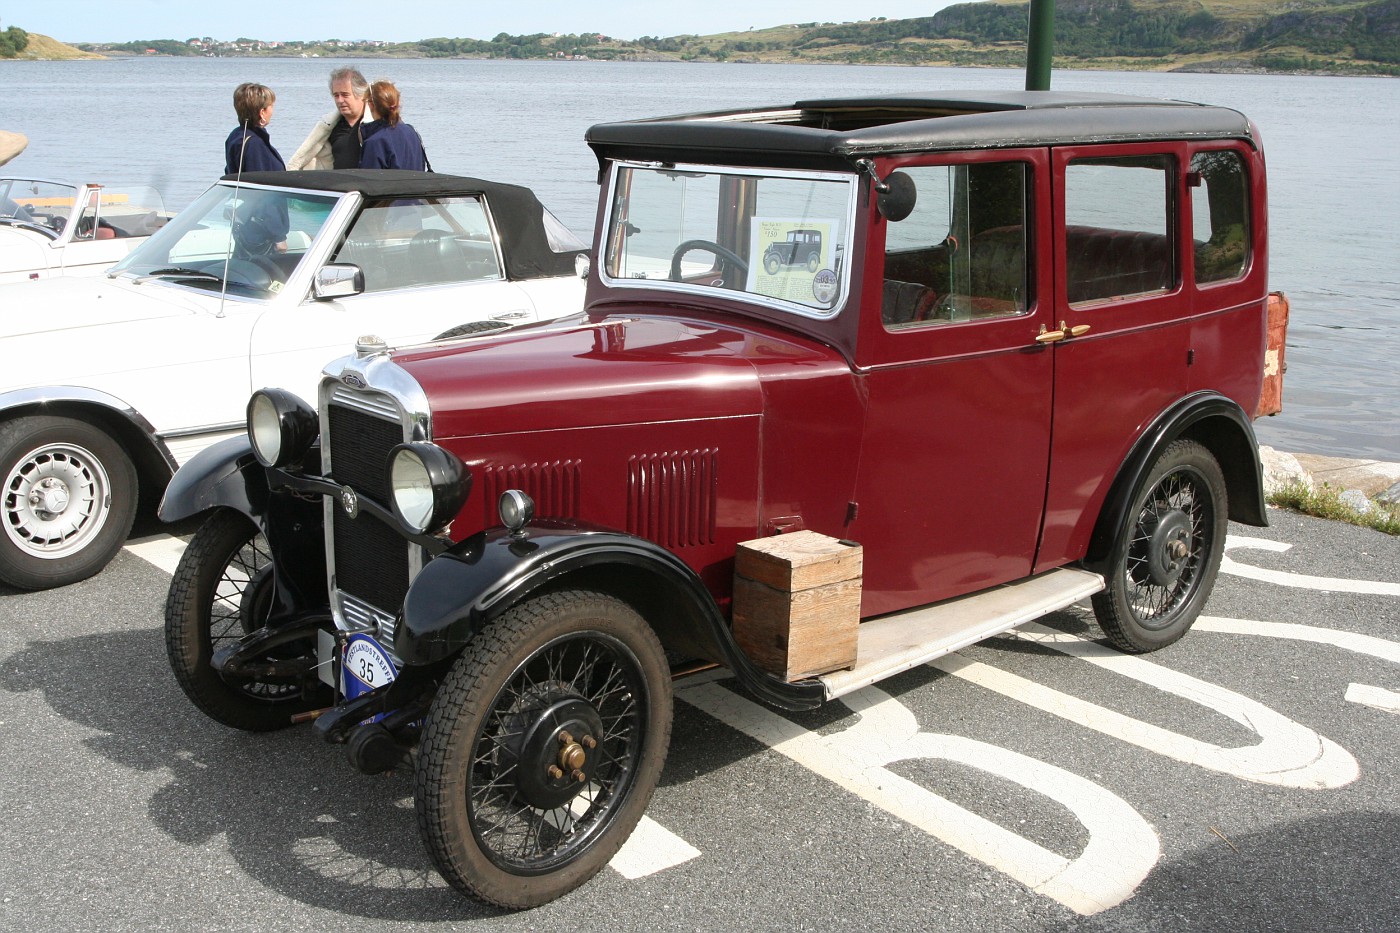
x: 1118, y: 228
x: 961, y: 254
x: 1219, y: 215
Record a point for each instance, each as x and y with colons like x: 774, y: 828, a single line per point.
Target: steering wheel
x: 728, y: 255
x: 250, y: 272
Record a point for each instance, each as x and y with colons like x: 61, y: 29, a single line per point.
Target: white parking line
x: 651, y: 848
x: 163, y: 551
x: 1387, y: 701
x: 1297, y: 580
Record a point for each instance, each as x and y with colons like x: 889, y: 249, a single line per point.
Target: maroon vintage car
x: 1017, y: 373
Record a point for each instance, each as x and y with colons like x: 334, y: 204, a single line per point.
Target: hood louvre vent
x: 671, y: 497
x: 554, y: 486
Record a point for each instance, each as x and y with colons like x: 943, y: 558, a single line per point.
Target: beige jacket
x: 315, y: 153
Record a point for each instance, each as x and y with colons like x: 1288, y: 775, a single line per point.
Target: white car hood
x: 22, y: 250
x: 92, y: 307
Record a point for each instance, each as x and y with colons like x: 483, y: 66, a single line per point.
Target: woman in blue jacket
x: 249, y: 148
x: 390, y: 142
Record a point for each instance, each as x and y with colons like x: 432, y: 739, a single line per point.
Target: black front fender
x: 462, y: 590
x: 228, y: 475
x: 224, y: 474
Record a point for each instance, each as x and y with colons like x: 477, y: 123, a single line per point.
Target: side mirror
x: 582, y: 264
x: 896, y: 196
x: 338, y: 280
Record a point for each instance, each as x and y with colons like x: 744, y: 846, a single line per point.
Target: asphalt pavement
x: 1246, y: 778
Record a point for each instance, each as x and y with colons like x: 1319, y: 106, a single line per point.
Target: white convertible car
x: 49, y: 228
x: 111, y: 381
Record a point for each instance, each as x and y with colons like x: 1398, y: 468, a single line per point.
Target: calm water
x: 1333, y: 146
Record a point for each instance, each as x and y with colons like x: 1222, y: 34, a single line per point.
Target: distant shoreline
x: 1230, y: 68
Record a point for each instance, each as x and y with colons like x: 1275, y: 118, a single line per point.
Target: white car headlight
x: 429, y: 485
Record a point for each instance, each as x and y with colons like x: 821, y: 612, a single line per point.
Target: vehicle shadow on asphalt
x: 297, y: 818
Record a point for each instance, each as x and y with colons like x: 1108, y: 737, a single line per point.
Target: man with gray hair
x: 336, y: 139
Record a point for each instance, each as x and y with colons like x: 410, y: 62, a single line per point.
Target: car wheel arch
x: 154, y: 465
x: 1217, y: 423
x: 657, y: 584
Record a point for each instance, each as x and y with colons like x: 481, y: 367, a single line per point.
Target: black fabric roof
x: 518, y: 214
x: 832, y: 132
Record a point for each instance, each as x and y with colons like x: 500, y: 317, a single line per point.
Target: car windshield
x: 247, y: 238
x: 778, y: 238
x: 30, y: 201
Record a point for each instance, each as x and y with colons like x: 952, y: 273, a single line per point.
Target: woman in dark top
x: 249, y: 148
x: 390, y: 142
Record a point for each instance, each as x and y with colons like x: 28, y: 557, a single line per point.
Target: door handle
x: 1060, y: 333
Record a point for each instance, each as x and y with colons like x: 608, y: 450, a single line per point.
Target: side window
x: 409, y: 242
x: 1220, y: 215
x: 1118, y: 227
x: 962, y: 254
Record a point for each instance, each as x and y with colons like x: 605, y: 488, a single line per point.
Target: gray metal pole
x: 1040, y: 45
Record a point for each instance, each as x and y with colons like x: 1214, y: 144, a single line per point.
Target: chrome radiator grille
x: 370, y: 563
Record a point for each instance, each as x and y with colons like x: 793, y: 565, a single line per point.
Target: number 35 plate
x: 367, y: 666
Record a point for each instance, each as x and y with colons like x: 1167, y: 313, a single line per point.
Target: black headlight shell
x: 281, y: 427
x: 428, y: 484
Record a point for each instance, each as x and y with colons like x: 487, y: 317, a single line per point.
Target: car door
x: 1118, y: 292
x: 429, y: 265
x: 951, y: 483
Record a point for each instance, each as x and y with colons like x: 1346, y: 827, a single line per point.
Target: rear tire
x: 67, y: 502
x: 221, y: 591
x: 543, y: 748
x: 1164, y: 560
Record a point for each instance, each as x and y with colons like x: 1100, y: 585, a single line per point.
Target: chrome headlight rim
x: 427, y: 486
x: 281, y: 427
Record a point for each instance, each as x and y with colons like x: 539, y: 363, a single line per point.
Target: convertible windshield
x: 256, y: 236
x: 780, y: 237
x: 29, y: 201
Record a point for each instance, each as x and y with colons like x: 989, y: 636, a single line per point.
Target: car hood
x: 89, y: 307
x: 22, y: 250
x: 610, y: 370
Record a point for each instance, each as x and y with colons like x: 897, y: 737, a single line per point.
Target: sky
x: 75, y: 21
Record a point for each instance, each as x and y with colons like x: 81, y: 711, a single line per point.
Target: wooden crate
x: 797, y: 603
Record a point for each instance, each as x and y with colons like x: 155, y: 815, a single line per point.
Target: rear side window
x: 963, y: 253
x: 1219, y: 215
x: 1118, y: 227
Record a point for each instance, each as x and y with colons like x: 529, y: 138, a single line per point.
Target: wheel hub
x: 554, y: 749
x: 55, y: 499
x: 1169, y: 548
x: 49, y: 497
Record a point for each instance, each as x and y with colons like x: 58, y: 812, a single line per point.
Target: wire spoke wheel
x: 1164, y: 561
x: 221, y: 592
x: 543, y: 748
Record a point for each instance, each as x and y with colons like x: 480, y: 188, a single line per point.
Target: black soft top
x: 833, y: 132
x: 518, y: 214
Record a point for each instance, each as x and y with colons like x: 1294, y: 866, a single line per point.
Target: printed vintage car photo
x: 1020, y: 372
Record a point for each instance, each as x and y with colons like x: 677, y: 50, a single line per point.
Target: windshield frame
x: 848, y: 221
x: 312, y: 255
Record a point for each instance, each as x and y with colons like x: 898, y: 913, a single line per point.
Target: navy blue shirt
x: 397, y: 146
x: 257, y: 155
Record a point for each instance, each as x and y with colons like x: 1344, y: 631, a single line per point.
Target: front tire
x: 221, y: 591
x: 1164, y: 560
x: 67, y: 504
x: 543, y: 748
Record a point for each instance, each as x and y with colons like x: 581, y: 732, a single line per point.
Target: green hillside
x: 1328, y: 36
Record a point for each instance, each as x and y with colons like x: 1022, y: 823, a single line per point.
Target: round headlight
x: 281, y: 427
x: 429, y: 485
x: 516, y: 510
